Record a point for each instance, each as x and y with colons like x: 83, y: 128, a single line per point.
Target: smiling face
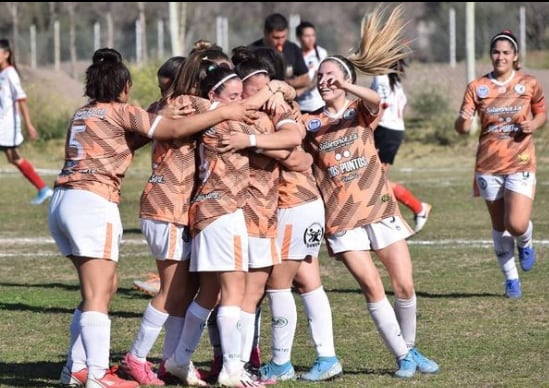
x: 503, y: 55
x: 328, y: 72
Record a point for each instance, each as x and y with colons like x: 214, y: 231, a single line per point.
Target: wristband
x: 253, y: 140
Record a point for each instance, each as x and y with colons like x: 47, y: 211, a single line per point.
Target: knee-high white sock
x: 405, y: 310
x: 387, y: 325
x: 319, y: 316
x: 247, y: 323
x: 172, y: 332
x: 504, y: 247
x: 149, y: 330
x: 213, y: 333
x: 96, y: 337
x: 283, y: 324
x: 525, y: 239
x: 195, y: 321
x: 228, y: 319
x: 76, y: 355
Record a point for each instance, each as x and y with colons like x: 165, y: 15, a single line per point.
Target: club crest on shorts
x: 313, y: 235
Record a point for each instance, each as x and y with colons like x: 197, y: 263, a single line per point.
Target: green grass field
x: 479, y: 338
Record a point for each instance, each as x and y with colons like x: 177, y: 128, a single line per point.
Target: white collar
x: 501, y: 83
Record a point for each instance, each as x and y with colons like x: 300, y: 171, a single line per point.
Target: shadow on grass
x: 46, y: 374
x: 421, y: 294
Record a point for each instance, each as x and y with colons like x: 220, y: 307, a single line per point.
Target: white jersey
x: 311, y: 100
x: 10, y: 93
x: 395, y: 100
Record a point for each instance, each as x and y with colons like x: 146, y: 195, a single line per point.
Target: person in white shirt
x: 389, y: 135
x: 309, y: 99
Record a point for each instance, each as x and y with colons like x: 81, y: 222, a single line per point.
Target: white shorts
x: 221, y: 246
x: 167, y: 241
x: 85, y: 224
x: 301, y: 230
x: 263, y: 252
x: 491, y: 187
x: 370, y: 237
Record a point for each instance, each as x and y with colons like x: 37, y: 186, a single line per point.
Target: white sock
x: 405, y: 310
x: 504, y: 247
x: 195, y: 321
x: 149, y: 330
x: 387, y: 325
x: 283, y: 309
x: 76, y: 356
x: 247, y: 323
x: 172, y: 331
x: 319, y: 316
x: 96, y: 336
x: 525, y: 240
x: 228, y: 319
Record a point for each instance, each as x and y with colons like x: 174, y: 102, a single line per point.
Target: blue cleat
x: 512, y: 288
x: 406, y: 366
x: 271, y: 372
x: 424, y: 365
x: 323, y: 369
x: 42, y: 196
x: 527, y: 258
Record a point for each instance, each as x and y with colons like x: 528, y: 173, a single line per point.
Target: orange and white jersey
x: 222, y: 177
x: 260, y: 209
x: 503, y: 148
x: 168, y: 192
x: 296, y: 188
x: 347, y: 168
x: 97, y: 154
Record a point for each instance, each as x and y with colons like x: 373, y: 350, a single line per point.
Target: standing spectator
x: 309, y: 99
x: 275, y: 35
x: 13, y: 105
x: 84, y: 219
x: 511, y: 106
x: 389, y: 135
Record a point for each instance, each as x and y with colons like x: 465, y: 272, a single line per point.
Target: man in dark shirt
x: 275, y: 35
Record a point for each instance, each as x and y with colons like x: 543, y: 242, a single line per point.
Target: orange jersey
x: 260, y: 209
x: 347, y: 169
x: 223, y: 177
x: 97, y: 154
x: 168, y: 192
x: 296, y: 187
x: 502, y: 147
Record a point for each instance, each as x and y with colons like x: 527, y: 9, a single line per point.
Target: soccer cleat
x: 186, y: 373
x: 42, y: 196
x: 406, y: 366
x: 424, y: 365
x: 421, y: 218
x: 166, y: 376
x: 110, y: 380
x: 215, y: 367
x: 239, y: 380
x: 512, y: 288
x: 527, y: 258
x: 273, y: 372
x: 323, y: 369
x: 255, y: 358
x: 140, y: 371
x: 73, y: 379
x: 151, y: 286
